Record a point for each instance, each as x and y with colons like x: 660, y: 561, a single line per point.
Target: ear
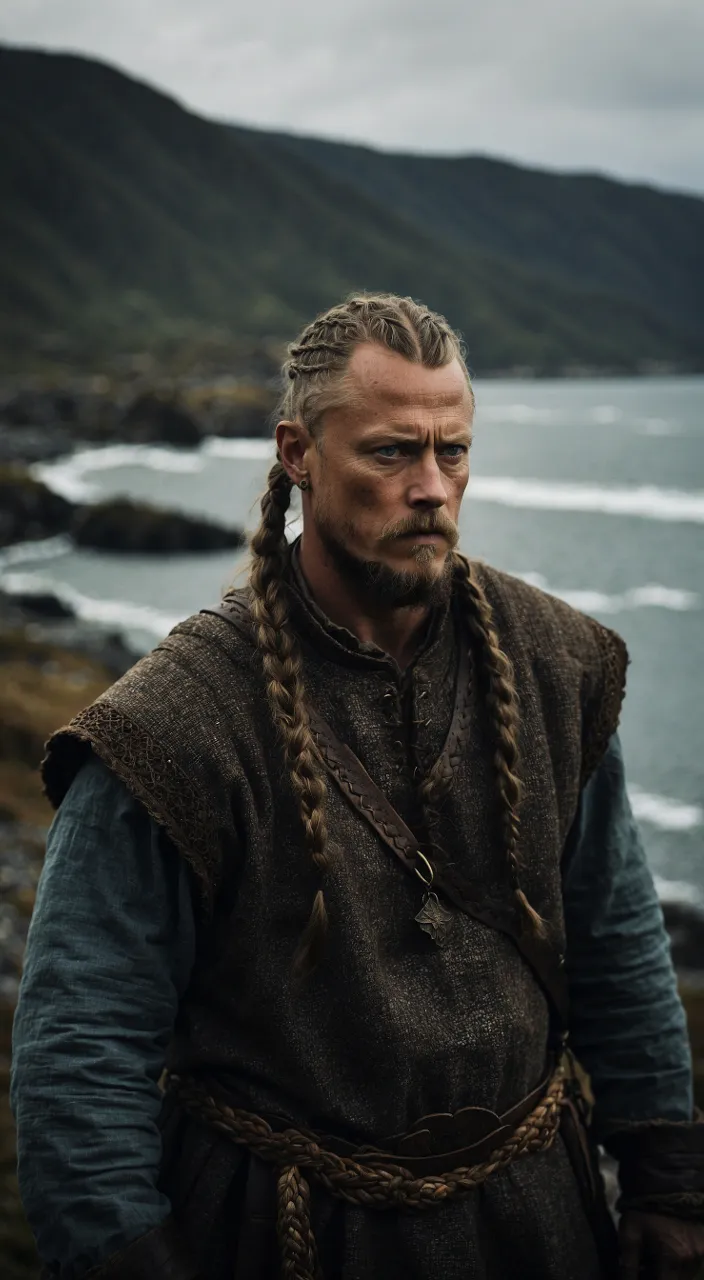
x: 294, y: 441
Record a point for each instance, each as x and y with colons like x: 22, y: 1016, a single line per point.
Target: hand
x: 653, y: 1246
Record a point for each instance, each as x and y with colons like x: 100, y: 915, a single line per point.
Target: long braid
x: 313, y: 378
x: 496, y: 674
x: 283, y: 668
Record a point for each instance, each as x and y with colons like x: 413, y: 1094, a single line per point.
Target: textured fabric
x: 639, y: 1060
x: 627, y: 1024
x: 109, y: 953
x: 189, y: 731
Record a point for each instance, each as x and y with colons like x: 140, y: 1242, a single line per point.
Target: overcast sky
x: 609, y: 85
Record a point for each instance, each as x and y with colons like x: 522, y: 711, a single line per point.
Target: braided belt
x: 371, y: 1185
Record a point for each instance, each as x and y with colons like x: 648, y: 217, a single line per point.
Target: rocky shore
x: 40, y: 423
x: 29, y: 511
x: 51, y: 665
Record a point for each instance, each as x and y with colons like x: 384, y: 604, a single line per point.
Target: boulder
x: 157, y: 419
x: 28, y: 509
x: 123, y: 525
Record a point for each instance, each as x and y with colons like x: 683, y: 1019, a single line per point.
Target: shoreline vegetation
x: 51, y: 665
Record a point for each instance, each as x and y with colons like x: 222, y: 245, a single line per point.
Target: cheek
x: 367, y: 495
x: 456, y: 487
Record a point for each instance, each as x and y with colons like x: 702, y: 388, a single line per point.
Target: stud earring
x: 303, y: 484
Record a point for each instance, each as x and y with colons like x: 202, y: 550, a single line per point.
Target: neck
x: 395, y: 631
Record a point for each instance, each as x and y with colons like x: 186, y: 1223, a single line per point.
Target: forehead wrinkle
x: 428, y: 399
x: 415, y: 430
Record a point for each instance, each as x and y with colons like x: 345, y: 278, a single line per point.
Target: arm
x: 628, y: 1027
x: 109, y: 954
x: 629, y: 1030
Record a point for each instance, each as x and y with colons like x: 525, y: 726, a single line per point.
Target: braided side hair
x: 313, y: 382
x: 496, y: 674
x: 283, y: 668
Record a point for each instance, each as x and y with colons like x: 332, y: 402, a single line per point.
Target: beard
x: 380, y: 585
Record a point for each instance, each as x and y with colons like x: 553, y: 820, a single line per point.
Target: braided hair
x: 313, y: 377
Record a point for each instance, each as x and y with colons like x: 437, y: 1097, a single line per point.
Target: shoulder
x: 544, y: 624
x: 167, y: 730
x: 568, y: 655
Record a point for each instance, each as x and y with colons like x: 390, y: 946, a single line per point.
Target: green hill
x: 126, y: 220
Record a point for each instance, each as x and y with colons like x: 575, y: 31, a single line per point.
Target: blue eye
x: 458, y: 448
x: 388, y: 450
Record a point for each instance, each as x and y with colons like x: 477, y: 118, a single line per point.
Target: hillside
x: 126, y: 220
x: 633, y: 240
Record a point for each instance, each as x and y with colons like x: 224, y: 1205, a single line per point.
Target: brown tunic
x: 390, y: 1027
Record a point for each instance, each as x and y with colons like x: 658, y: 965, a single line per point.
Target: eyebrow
x: 411, y: 435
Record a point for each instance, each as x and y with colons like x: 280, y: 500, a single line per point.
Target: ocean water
x: 593, y: 490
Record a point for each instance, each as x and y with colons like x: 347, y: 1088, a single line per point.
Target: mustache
x: 429, y: 522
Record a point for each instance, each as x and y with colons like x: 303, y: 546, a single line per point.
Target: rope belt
x: 373, y: 1186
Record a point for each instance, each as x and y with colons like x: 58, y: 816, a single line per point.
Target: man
x: 337, y: 853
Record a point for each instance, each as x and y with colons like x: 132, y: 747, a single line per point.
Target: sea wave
x: 600, y: 415
x: 677, y: 891
x: 41, y: 549
x: 221, y: 447
x: 663, y: 812
x: 121, y: 614
x: 651, y: 596
x: 68, y: 476
x: 645, y: 501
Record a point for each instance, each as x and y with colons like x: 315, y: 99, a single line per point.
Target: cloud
x: 615, y: 87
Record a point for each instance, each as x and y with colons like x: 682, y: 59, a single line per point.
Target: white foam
x: 122, y: 614
x: 600, y: 415
x: 678, y: 891
x: 42, y: 549
x: 605, y: 414
x: 67, y: 476
x: 645, y: 501
x: 651, y: 596
x: 656, y: 427
x: 518, y: 414
x: 221, y: 447
x: 663, y: 812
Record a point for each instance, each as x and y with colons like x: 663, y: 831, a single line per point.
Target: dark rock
x: 42, y: 605
x: 51, y: 621
x: 34, y: 444
x: 685, y: 925
x: 123, y: 525
x: 28, y: 509
x: 39, y: 408
x: 154, y: 419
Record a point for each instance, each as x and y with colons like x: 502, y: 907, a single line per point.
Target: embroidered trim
x: 605, y: 716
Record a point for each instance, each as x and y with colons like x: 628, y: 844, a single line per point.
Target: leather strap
x: 436, y: 1143
x: 360, y: 790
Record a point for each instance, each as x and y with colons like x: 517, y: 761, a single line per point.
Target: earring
x: 303, y: 484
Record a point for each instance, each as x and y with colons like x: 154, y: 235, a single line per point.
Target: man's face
x: 388, y: 471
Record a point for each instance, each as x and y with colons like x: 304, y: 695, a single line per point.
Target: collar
x: 338, y: 644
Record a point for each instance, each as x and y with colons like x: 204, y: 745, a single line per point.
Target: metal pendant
x: 435, y: 919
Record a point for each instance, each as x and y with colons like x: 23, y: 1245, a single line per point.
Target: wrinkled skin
x: 655, y: 1247
x: 385, y: 472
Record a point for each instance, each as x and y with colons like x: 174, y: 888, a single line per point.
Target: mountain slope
x: 632, y: 240
x: 125, y: 218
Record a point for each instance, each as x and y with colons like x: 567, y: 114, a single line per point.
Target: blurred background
x: 182, y: 187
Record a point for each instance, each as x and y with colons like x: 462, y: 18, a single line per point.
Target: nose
x: 428, y: 487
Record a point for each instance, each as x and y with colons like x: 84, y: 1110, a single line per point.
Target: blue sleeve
x: 109, y: 952
x: 628, y: 1027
